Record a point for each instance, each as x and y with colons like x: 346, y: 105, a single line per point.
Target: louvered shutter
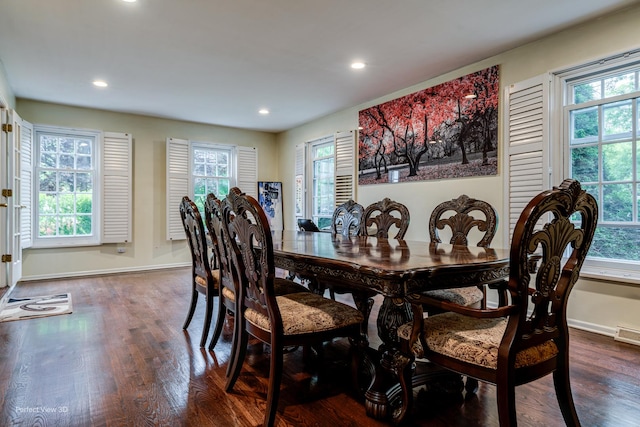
x: 26, y: 180
x: 299, y: 196
x: 116, y: 187
x: 247, y: 167
x: 177, y: 185
x: 345, y: 170
x: 527, y: 145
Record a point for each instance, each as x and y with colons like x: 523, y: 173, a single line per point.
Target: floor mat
x: 30, y: 307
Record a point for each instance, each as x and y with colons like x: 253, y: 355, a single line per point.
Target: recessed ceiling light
x: 358, y: 65
x: 263, y: 111
x: 100, y: 83
x: 129, y: 1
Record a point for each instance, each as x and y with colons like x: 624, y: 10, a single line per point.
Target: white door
x: 16, y: 192
x: 4, y: 201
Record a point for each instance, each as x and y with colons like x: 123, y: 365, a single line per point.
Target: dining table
x: 396, y: 269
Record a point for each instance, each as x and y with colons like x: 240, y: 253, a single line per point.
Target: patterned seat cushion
x: 306, y: 312
x: 203, y: 281
x: 473, y: 340
x: 461, y: 296
x: 228, y: 293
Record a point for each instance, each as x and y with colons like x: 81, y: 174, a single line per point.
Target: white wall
x: 596, y: 305
x: 7, y: 99
x: 149, y: 248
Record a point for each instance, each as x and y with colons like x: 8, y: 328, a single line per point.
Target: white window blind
x: 25, y: 134
x: 527, y: 145
x: 345, y: 170
x: 247, y: 167
x: 116, y: 187
x: 177, y: 185
x: 299, y: 188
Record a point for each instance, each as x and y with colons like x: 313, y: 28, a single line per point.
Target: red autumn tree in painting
x: 445, y: 131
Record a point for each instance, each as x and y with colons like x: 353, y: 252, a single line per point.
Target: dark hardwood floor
x: 122, y: 359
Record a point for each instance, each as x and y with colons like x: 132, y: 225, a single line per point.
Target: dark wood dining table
x: 392, y: 268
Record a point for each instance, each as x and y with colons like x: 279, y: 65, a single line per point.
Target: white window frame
x: 603, y: 268
x: 312, y: 146
x: 69, y: 241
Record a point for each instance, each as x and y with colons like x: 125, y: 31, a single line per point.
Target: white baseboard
x: 102, y: 272
x: 578, y: 324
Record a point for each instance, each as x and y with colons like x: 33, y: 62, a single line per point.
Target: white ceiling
x: 219, y: 61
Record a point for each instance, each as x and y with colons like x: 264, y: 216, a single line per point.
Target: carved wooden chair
x: 279, y: 320
x: 380, y: 217
x: 347, y: 219
x: 205, y: 280
x: 215, y: 211
x: 528, y: 338
x: 461, y: 222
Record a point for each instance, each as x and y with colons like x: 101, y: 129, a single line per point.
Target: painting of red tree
x: 445, y: 131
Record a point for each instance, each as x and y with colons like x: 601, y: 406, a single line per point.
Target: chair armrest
x: 502, y: 311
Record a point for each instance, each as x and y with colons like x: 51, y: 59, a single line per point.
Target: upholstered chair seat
x: 473, y: 340
x: 469, y: 296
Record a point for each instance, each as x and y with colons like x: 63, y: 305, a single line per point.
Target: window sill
x: 613, y: 275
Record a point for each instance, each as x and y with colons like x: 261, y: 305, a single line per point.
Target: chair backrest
x: 563, y: 243
x: 252, y: 255
x: 196, y: 237
x: 305, y: 224
x: 347, y: 219
x: 213, y: 213
x: 386, y: 214
x: 461, y: 222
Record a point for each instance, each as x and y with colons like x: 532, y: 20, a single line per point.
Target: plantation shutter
x: 299, y: 188
x: 25, y: 133
x: 177, y: 185
x: 527, y: 145
x: 116, y: 187
x: 247, y: 167
x: 345, y: 170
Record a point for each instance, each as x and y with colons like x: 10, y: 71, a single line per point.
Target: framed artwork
x: 442, y: 132
x: 270, y: 198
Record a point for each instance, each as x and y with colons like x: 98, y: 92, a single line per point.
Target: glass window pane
x: 84, y: 203
x: 616, y: 243
x: 84, y: 146
x: 593, y: 190
x: 47, y: 203
x: 584, y: 125
x: 48, y: 144
x: 47, y: 226
x: 199, y: 156
x: 83, y: 225
x: 618, y: 120
x: 66, y: 161
x: 83, y: 162
x: 66, y: 225
x: 48, y: 160
x: 587, y: 92
x: 199, y: 185
x: 66, y: 203
x: 66, y: 181
x: 223, y: 187
x: 617, y: 203
x: 67, y: 145
x: 584, y: 163
x: 615, y: 162
x: 84, y: 182
x: 223, y: 170
x: 48, y: 181
x: 619, y: 85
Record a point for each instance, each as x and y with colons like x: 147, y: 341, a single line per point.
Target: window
x: 601, y: 129
x: 211, y: 172
x: 324, y: 176
x: 322, y: 183
x: 196, y: 169
x: 67, y: 187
